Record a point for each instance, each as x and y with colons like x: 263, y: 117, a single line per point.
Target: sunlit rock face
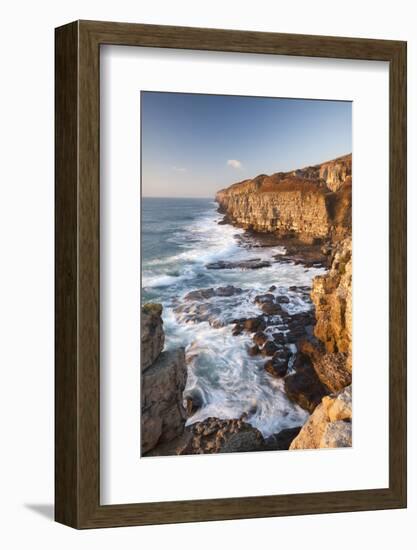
x: 312, y: 203
x: 330, y: 425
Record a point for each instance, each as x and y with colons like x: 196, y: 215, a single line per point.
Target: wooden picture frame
x: 77, y: 382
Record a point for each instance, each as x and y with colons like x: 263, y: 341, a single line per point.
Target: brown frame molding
x: 77, y: 359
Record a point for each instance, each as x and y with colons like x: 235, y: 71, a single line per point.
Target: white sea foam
x: 227, y: 381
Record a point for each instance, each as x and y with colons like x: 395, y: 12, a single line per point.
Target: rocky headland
x: 312, y: 204
x: 308, y: 213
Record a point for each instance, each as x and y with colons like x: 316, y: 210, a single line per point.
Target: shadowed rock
x: 254, y: 263
x: 152, y: 334
x: 303, y: 387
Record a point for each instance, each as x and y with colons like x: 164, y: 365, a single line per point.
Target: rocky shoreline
x: 308, y: 213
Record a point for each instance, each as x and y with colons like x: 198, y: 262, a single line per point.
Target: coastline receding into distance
x: 246, y: 315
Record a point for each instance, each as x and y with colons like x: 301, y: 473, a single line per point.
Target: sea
x: 179, y: 238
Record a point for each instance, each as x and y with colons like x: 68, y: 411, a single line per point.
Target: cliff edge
x: 313, y: 203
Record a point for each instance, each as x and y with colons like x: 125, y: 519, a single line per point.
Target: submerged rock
x: 206, y: 293
x: 253, y: 263
x: 198, y: 305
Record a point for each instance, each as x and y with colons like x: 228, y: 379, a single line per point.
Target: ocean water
x: 179, y: 238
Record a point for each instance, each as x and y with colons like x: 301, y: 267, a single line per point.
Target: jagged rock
x: 260, y: 338
x: 337, y: 434
x: 269, y: 349
x: 163, y: 414
x: 331, y: 368
x: 335, y: 173
x: 304, y: 387
x: 330, y: 425
x: 278, y: 365
x: 271, y: 308
x: 332, y: 297
x: 152, y: 334
x: 243, y: 441
x: 253, y: 324
x: 193, y: 401
x: 214, y: 435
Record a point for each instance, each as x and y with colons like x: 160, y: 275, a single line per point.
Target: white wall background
x: 26, y: 273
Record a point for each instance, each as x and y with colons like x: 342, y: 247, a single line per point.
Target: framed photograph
x: 230, y: 274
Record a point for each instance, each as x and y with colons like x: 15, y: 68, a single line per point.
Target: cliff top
x: 330, y: 175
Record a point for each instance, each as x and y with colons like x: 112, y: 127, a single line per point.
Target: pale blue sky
x: 194, y: 145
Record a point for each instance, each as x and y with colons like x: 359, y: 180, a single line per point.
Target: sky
x: 192, y: 145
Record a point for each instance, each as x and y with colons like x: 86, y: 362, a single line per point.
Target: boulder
x: 270, y: 308
x: 333, y: 369
x: 252, y: 324
x: 269, y: 349
x: 304, y: 387
x: 330, y: 425
x: 281, y: 441
x: 253, y: 263
x: 264, y: 298
x: 260, y: 338
x: 215, y: 435
x: 206, y: 293
x: 278, y: 365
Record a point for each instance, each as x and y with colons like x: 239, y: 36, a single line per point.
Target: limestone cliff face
x: 336, y: 172
x: 332, y: 297
x: 310, y: 203
x: 164, y: 374
x: 330, y: 425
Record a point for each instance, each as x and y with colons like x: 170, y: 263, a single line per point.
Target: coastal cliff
x: 330, y: 424
x: 164, y: 374
x: 312, y: 204
x: 283, y: 349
